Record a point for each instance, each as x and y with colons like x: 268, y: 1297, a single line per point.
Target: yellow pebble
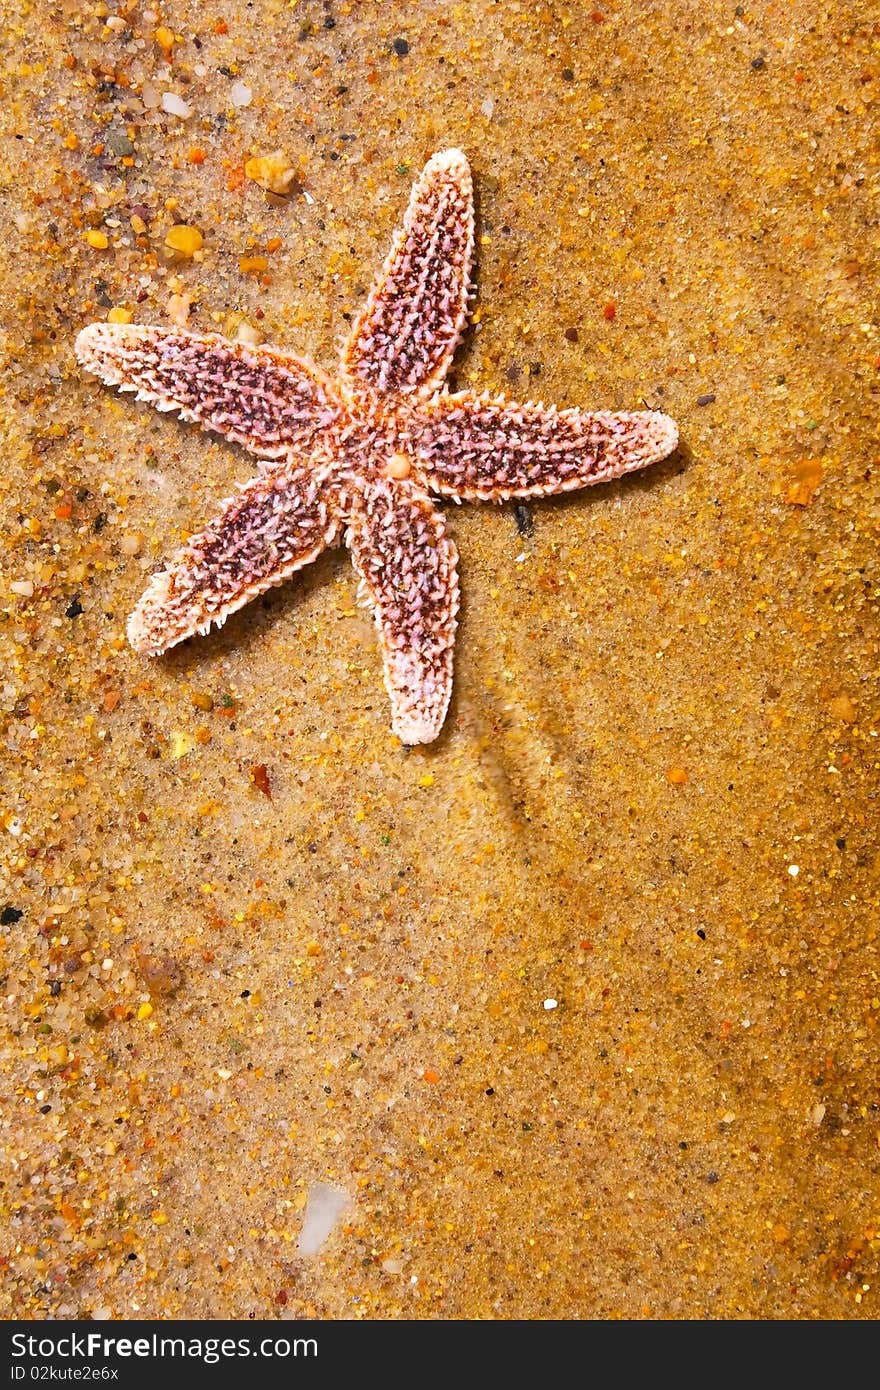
x: 164, y: 38
x: 181, y: 745
x: 250, y: 265
x: 428, y: 780
x: 119, y: 315
x: 98, y: 240
x: 184, y: 240
x: 274, y: 172
x: 145, y: 1010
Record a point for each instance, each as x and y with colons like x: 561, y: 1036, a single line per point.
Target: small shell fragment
x: 247, y: 333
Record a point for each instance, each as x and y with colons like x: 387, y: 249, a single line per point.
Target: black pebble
x: 401, y: 47
x: 758, y: 63
x: 74, y: 608
x: 525, y: 522
x: 706, y: 400
x: 10, y: 915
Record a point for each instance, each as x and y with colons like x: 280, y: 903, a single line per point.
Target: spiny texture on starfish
x: 356, y: 460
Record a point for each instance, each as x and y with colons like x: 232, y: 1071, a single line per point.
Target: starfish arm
x: 260, y: 397
x: 407, y: 567
x: 480, y: 448
x: 279, y: 521
x: 403, y: 339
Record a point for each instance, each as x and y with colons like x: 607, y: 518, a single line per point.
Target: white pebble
x: 175, y: 105
x: 178, y: 308
x: 488, y: 107
x: 23, y: 587
x: 240, y: 94
x: 131, y: 543
x: 794, y: 870
x: 551, y: 1004
x: 247, y: 333
x: 324, y: 1207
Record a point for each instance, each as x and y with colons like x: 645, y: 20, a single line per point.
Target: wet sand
x: 251, y: 944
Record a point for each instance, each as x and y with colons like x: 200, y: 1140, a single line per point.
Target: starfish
x: 355, y: 461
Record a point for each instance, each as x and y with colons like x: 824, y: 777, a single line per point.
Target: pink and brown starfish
x: 356, y: 460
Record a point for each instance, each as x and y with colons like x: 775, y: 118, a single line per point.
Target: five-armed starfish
x: 355, y: 461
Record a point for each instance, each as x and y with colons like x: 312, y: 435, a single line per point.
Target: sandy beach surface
x: 573, y: 1013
